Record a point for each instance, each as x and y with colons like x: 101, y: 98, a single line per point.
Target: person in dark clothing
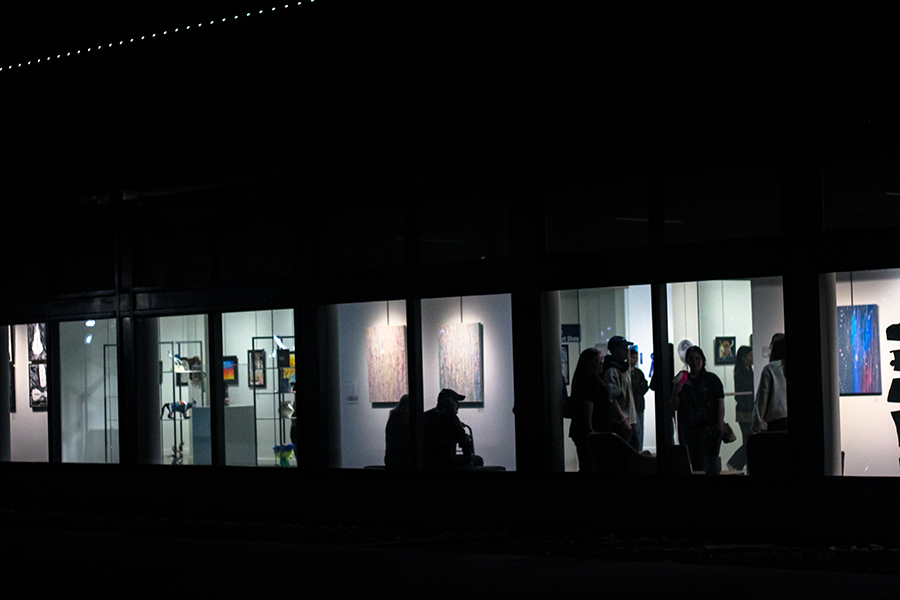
x: 639, y: 387
x: 699, y: 400
x: 444, y: 432
x: 591, y: 404
x: 744, y: 397
x: 396, y: 436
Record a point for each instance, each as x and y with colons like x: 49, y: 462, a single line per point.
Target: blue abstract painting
x: 859, y: 360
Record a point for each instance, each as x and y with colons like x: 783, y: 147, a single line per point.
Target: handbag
x: 728, y: 434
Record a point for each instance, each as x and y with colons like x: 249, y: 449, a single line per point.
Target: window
x: 367, y: 377
x: 722, y: 318
x: 258, y: 350
x: 868, y: 418
x: 89, y: 395
x: 589, y: 318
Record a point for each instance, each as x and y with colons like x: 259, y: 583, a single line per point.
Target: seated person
x: 444, y: 432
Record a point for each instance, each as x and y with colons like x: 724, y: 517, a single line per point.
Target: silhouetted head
x: 777, y: 347
x: 740, y: 361
x: 588, y: 362
x: 449, y: 399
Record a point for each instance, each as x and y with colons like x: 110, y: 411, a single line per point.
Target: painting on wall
x: 37, y: 342
x: 230, y: 370
x: 37, y: 387
x: 256, y: 367
x: 859, y: 361
x: 461, y: 360
x: 724, y: 350
x: 386, y: 361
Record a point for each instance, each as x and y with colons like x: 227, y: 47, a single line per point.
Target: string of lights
x: 149, y: 36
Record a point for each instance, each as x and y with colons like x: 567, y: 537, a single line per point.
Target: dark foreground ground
x: 184, y: 552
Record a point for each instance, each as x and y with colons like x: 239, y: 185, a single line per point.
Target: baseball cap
x: 617, y: 341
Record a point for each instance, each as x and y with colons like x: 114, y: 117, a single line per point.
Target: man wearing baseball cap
x: 444, y: 431
x: 617, y: 380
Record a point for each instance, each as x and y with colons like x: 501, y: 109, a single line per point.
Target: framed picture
x: 386, y: 363
x: 230, y: 370
x: 37, y: 387
x: 725, y: 350
x: 37, y: 343
x: 859, y: 350
x: 256, y: 368
x: 461, y: 360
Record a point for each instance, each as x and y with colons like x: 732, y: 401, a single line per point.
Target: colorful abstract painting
x: 859, y: 360
x: 461, y: 359
x: 386, y: 359
x: 229, y: 369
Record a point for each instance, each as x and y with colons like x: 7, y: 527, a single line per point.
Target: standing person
x: 770, y: 412
x: 743, y: 395
x: 622, y: 414
x: 590, y: 411
x: 396, y: 436
x: 699, y: 400
x: 639, y: 387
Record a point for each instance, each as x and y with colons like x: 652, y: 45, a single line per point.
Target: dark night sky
x: 468, y: 76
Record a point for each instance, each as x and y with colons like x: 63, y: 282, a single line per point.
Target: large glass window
x: 869, y: 416
x: 732, y: 322
x: 184, y: 426
x: 590, y: 319
x: 260, y: 381
x: 467, y: 347
x: 30, y: 393
x: 89, y: 398
x: 367, y: 377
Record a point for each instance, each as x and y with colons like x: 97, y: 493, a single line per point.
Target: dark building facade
x: 287, y: 191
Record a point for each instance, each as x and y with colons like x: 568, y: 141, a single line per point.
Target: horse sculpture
x: 177, y: 407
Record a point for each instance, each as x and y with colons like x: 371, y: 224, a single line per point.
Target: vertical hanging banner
x: 37, y: 366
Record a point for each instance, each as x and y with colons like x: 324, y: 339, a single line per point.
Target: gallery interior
x: 234, y: 292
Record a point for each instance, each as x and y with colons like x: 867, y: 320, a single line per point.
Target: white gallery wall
x: 868, y: 435
x: 362, y: 424
x: 88, y: 395
x: 27, y: 428
x: 493, y: 426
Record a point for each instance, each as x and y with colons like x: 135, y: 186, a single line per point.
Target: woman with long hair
x: 770, y: 412
x: 743, y: 395
x: 591, y: 404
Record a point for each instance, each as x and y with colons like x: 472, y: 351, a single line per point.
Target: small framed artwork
x: 230, y: 370
x: 256, y: 368
x: 37, y: 387
x: 725, y: 350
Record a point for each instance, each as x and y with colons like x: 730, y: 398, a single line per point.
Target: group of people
x: 608, y: 395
